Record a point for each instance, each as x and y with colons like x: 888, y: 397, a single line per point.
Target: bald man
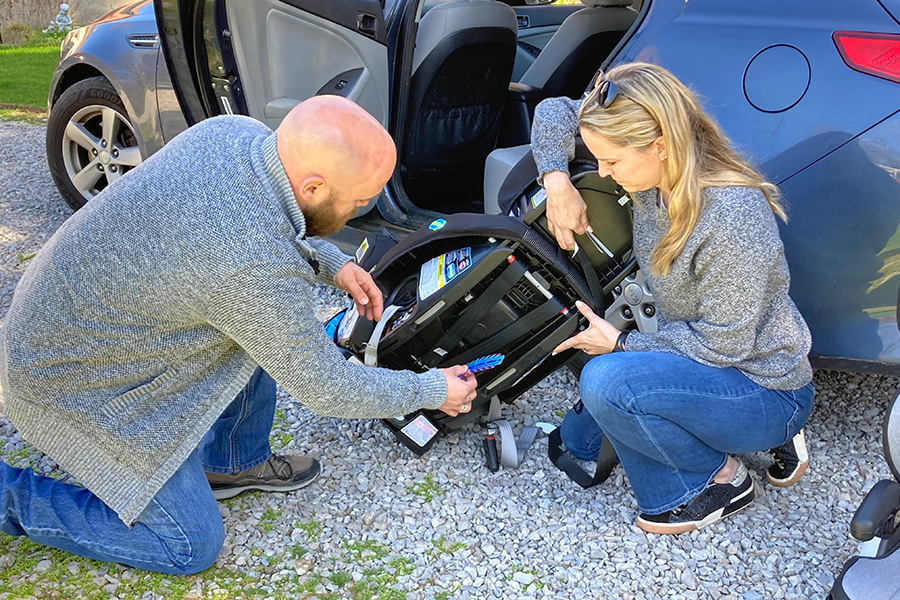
x: 143, y: 343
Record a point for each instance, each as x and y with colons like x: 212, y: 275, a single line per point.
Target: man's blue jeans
x: 181, y: 530
x: 673, y: 421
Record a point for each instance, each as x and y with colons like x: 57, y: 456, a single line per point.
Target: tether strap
x: 606, y: 460
x: 512, y: 451
x: 593, y: 281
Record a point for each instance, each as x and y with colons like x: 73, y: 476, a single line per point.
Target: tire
x: 90, y: 140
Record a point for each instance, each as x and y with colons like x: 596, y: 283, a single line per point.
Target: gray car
x: 111, y: 102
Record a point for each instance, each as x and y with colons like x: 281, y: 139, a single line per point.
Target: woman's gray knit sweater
x: 724, y: 302
x: 147, y: 312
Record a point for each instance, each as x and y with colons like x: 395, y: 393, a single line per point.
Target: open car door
x: 262, y: 58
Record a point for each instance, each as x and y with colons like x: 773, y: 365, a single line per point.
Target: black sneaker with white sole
x: 281, y: 473
x: 716, y: 501
x: 791, y: 461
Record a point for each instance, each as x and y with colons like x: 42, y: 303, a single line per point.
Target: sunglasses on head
x: 604, y: 92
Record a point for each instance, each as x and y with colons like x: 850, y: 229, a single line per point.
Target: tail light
x: 876, y: 54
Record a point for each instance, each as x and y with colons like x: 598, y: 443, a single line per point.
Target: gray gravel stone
x: 528, y: 533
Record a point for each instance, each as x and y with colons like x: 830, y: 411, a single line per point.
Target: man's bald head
x: 336, y: 155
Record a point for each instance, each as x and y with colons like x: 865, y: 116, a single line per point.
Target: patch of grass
x: 25, y: 74
x: 440, y: 546
x: 279, y: 423
x: 297, y: 551
x: 359, y: 551
x: 241, y: 501
x: 280, y: 440
x: 33, y: 116
x: 441, y: 595
x: 340, y: 578
x: 427, y: 489
x: 313, y: 529
x: 267, y: 520
x: 19, y: 34
x: 538, y: 581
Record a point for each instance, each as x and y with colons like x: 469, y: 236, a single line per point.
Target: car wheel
x: 90, y: 140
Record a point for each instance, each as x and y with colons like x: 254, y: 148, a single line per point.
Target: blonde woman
x: 727, y: 371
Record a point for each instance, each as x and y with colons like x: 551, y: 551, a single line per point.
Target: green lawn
x: 25, y: 74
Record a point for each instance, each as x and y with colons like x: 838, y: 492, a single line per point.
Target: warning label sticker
x: 440, y: 270
x: 420, y: 430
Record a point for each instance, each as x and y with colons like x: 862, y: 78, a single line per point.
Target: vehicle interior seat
x: 463, y: 61
x: 574, y: 53
x: 873, y: 574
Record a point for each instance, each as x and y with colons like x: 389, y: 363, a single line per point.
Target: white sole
x: 665, y: 528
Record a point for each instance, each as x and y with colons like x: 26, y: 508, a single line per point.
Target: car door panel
x: 286, y: 55
x: 361, y: 16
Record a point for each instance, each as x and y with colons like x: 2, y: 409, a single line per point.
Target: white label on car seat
x: 420, y: 430
x: 361, y: 251
x: 539, y: 198
x: 440, y: 270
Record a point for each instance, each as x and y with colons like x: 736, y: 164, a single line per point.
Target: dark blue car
x: 809, y: 89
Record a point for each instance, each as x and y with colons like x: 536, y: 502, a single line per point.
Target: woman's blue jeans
x: 180, y: 532
x: 673, y: 421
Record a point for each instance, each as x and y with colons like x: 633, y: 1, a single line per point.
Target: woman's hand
x: 599, y: 338
x: 566, y: 210
x: 461, y: 392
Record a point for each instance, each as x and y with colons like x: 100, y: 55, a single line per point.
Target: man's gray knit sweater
x: 147, y: 312
x: 724, y: 302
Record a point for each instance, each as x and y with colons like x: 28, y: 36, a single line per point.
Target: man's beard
x: 323, y: 221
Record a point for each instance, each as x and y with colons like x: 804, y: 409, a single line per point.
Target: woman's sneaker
x: 716, y: 501
x: 791, y: 461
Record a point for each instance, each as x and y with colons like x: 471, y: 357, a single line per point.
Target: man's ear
x: 312, y: 190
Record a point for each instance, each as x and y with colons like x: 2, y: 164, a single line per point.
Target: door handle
x: 366, y: 23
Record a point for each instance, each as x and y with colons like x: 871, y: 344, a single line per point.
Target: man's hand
x: 355, y: 281
x: 461, y: 385
x: 599, y: 338
x: 566, y: 210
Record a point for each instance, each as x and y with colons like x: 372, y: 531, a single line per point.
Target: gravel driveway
x: 381, y: 522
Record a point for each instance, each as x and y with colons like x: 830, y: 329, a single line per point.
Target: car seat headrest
x: 607, y: 2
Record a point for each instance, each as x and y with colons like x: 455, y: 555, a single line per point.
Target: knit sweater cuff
x: 433, y: 389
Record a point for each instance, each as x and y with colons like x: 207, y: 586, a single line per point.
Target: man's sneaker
x: 716, y: 501
x: 278, y: 474
x: 791, y: 461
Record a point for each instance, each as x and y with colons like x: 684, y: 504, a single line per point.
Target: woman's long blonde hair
x: 652, y: 103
